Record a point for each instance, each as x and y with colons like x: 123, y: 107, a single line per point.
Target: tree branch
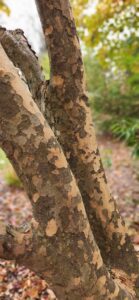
x: 73, y: 126
x: 65, y: 252
x: 63, y: 46
x: 20, y: 52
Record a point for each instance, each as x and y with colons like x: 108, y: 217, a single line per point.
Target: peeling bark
x: 59, y: 244
x: 72, y: 124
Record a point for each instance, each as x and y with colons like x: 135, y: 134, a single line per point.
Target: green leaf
x: 4, y: 8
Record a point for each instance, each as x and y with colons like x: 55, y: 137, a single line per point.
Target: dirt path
x: 19, y: 283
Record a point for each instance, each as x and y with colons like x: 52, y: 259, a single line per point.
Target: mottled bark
x: 24, y: 58
x: 20, y: 52
x: 58, y: 244
x: 72, y: 121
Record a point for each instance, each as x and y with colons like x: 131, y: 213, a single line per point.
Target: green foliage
x: 106, y: 21
x: 95, y: 77
x: 11, y: 178
x: 114, y: 99
x: 109, y: 89
x: 4, y: 8
x: 125, y: 129
x: 44, y: 61
x: 3, y: 160
x: 9, y: 174
x: 106, y: 158
x: 128, y: 129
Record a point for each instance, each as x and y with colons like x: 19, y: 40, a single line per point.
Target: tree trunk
x: 72, y: 122
x: 60, y: 244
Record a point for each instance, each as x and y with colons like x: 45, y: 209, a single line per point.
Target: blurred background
x: 109, y: 37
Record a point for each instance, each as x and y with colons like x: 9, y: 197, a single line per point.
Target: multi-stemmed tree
x: 77, y: 240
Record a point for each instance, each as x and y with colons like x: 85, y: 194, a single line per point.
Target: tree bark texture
x: 57, y: 159
x: 72, y: 122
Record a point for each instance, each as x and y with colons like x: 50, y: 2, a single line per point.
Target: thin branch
x: 20, y: 52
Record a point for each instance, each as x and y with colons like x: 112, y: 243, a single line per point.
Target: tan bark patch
x: 116, y: 292
x: 73, y: 192
x: 19, y: 237
x: 87, y: 230
x: 35, y: 197
x: 76, y: 42
x: 97, y: 260
x: 48, y: 30
x: 101, y: 284
x: 69, y: 105
x: 57, y: 80
x: 80, y: 243
x: 51, y: 228
x: 80, y: 208
x: 76, y: 281
x: 60, y: 161
x: 59, y: 25
x: 47, y: 133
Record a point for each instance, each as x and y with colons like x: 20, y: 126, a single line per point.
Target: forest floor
x: 122, y: 173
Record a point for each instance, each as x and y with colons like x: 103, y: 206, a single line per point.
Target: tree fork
x: 68, y: 103
x: 14, y: 42
x: 60, y: 245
